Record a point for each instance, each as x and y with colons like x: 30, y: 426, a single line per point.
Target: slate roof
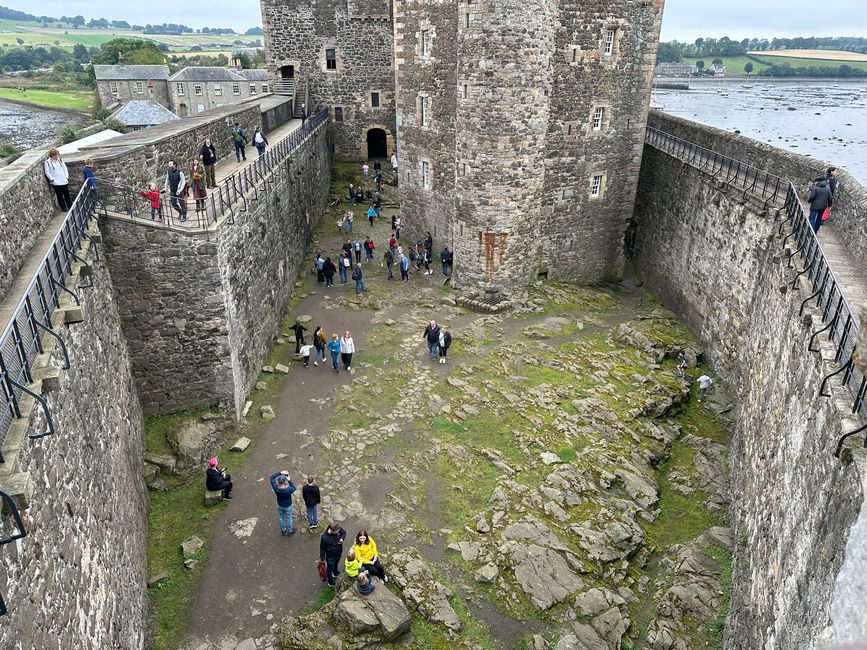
x: 126, y: 72
x: 205, y: 73
x: 143, y: 112
x: 253, y: 74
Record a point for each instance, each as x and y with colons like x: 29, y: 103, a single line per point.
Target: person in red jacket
x: 153, y: 196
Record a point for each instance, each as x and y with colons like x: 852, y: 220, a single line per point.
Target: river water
x: 27, y: 127
x: 823, y: 119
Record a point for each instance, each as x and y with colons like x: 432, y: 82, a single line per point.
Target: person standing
x: 299, y: 330
x: 152, y: 194
x: 371, y: 215
x: 58, y: 176
x: 432, y: 334
x: 320, y: 342
x: 208, y: 155
x: 341, y: 268
x: 331, y: 550
x: 389, y: 262
x: 394, y: 162
x: 319, y: 264
x: 240, y: 140
x: 831, y: 179
x: 397, y: 227
x: 197, y: 182
x: 87, y: 172
x: 216, y: 478
x: 347, y: 262
x: 445, y: 255
x: 303, y: 114
x: 443, y: 343
x: 356, y: 246
x: 704, y: 382
x: 365, y: 171
x: 176, y: 186
x: 347, y: 349
x: 351, y: 195
x: 328, y: 270
x: 349, y: 217
x: 819, y: 199
x: 334, y: 349
x: 358, y: 276
x: 283, y: 487
x: 260, y: 141
x: 305, y: 354
x: 312, y: 498
x: 404, y: 268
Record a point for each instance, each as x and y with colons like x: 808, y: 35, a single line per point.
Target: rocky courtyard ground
x: 555, y: 485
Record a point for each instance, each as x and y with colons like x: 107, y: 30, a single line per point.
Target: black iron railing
x: 21, y: 340
x: 231, y: 195
x: 838, y: 318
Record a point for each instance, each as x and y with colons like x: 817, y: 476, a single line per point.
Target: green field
x: 818, y: 63
x: 51, y: 99
x: 734, y: 64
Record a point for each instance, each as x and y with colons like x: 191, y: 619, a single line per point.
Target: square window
x: 338, y: 113
x: 236, y: 89
x: 425, y: 111
x: 252, y: 89
x: 425, y: 174
x: 112, y: 86
x: 331, y: 59
x: 218, y: 89
x: 265, y: 87
x: 425, y: 42
x: 597, y: 118
x: 609, y: 41
x: 200, y: 108
x: 181, y: 90
x: 374, y: 100
x: 139, y: 87
x: 596, y: 187
x: 197, y: 89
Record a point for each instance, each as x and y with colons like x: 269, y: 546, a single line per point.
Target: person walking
x: 347, y: 349
x: 216, y: 478
x: 349, y: 217
x: 443, y: 343
x: 319, y: 264
x: 303, y: 114
x: 331, y: 549
x: 704, y: 382
x: 312, y: 498
x: 328, y: 270
x: 260, y: 141
x: 320, y: 342
x: 347, y: 263
x: 341, y: 268
x: 394, y: 162
x: 388, y: 258
x: 87, y: 172
x: 356, y: 246
x: 831, y: 179
x: 283, y: 487
x: 366, y: 551
x: 358, y: 276
x: 152, y: 194
x: 365, y: 171
x: 681, y: 364
x: 334, y: 349
x: 299, y: 330
x: 240, y: 140
x: 58, y: 176
x: 371, y: 215
x: 432, y: 334
x: 445, y: 256
x: 176, y: 186
x: 197, y: 182
x: 820, y: 199
x: 208, y: 154
x: 305, y: 354
x: 351, y: 195
x: 397, y: 227
x: 404, y: 268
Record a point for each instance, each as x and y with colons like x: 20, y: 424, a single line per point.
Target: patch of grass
x: 567, y: 454
x: 723, y: 558
x: 325, y: 596
x: 50, y: 99
x: 158, y: 429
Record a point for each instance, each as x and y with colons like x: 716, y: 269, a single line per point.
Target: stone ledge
x: 20, y: 488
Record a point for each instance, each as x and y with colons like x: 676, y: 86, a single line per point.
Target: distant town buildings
x: 688, y: 69
x: 189, y: 91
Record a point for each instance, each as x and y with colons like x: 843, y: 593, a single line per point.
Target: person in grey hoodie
x: 819, y: 198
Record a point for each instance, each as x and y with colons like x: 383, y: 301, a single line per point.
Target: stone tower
x: 521, y: 127
x: 337, y: 54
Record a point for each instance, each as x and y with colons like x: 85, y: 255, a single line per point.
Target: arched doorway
x: 377, y: 144
x: 287, y: 72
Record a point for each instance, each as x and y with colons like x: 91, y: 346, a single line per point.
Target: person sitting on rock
x: 352, y: 564
x: 364, y: 585
x: 365, y: 550
x: 216, y: 478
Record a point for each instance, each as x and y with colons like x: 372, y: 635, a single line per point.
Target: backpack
x: 356, y: 275
x: 259, y: 137
x: 238, y: 135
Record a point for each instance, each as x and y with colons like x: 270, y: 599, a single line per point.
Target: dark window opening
x: 287, y: 72
x: 541, y: 275
x: 331, y: 59
x: 338, y: 113
x: 374, y: 100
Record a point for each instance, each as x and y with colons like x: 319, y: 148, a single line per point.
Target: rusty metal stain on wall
x: 493, y: 247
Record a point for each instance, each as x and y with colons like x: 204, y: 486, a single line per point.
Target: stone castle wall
x: 298, y: 34
x: 77, y: 580
x: 716, y: 260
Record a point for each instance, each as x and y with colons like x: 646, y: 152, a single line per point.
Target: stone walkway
x: 849, y: 273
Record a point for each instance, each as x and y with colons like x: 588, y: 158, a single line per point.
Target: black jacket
x: 444, y: 255
x: 310, y: 494
x: 209, y: 155
x: 328, y: 268
x: 214, y: 479
x: 820, y: 196
x: 331, y: 545
x: 447, y: 340
x: 832, y: 183
x: 432, y: 333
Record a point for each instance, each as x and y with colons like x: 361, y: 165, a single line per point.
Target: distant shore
x: 45, y: 109
x: 761, y: 79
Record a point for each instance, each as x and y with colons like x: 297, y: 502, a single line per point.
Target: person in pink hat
x: 218, y: 479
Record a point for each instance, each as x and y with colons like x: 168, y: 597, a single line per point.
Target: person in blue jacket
x: 87, y: 171
x: 334, y: 348
x: 283, y: 488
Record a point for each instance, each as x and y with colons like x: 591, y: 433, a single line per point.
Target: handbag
x: 825, y: 215
x: 323, y: 570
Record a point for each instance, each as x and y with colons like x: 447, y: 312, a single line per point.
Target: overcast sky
x: 685, y: 20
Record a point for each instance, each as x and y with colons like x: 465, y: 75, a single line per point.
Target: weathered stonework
x: 299, y: 33
x: 715, y: 258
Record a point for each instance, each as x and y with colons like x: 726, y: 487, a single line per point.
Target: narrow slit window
x: 425, y: 42
x: 331, y: 59
x: 609, y: 41
x: 598, y: 114
x: 596, y: 187
x: 425, y: 174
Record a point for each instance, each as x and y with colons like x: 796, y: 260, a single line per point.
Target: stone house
x: 196, y: 89
x: 674, y: 69
x: 118, y: 84
x: 141, y: 114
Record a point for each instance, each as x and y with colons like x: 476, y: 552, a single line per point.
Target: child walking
x: 152, y: 194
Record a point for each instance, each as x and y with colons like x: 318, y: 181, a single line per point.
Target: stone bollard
x: 861, y: 343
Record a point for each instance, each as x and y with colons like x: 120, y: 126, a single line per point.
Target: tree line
x: 675, y: 51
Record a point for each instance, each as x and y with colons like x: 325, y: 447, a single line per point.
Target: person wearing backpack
x: 240, y: 140
x: 819, y: 199
x: 260, y: 141
x: 359, y: 279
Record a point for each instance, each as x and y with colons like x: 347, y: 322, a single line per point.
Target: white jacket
x: 347, y: 345
x: 56, y: 171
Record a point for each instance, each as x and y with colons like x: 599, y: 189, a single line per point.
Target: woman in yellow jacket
x: 365, y: 551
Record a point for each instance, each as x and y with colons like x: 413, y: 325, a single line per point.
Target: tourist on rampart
x: 365, y: 550
x: 260, y: 141
x: 365, y: 171
x: 358, y: 276
x: 328, y: 270
x: 819, y: 199
x: 152, y: 194
x: 299, y: 330
x: 831, y: 177
x: 445, y: 260
x: 58, y: 177
x: 704, y: 383
x: 176, y: 186
x: 443, y: 343
x: 432, y: 335
x: 197, y: 182
x: 320, y: 342
x: 239, y: 137
x: 388, y: 258
x: 208, y: 155
x: 330, y: 550
x: 283, y: 487
x: 347, y: 349
x: 312, y: 499
x: 334, y: 348
x: 216, y: 478
x: 303, y: 114
x: 87, y: 172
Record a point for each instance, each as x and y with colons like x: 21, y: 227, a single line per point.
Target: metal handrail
x: 202, y: 214
x: 21, y: 340
x: 837, y: 315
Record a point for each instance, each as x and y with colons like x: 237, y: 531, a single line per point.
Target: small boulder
x: 158, y: 578
x: 380, y: 611
x: 487, y: 573
x: 241, y: 444
x: 550, y: 458
x: 247, y: 406
x: 268, y: 369
x: 281, y: 368
x: 267, y: 412
x: 190, y: 545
